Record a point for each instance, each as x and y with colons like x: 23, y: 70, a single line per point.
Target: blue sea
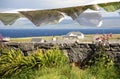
x: 15, y: 33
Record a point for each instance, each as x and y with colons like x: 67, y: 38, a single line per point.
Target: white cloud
x: 48, y: 4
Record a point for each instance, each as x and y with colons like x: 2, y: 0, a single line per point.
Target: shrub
x: 13, y: 62
x: 10, y: 61
x: 102, y: 65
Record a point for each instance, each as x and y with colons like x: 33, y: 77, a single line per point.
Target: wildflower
x: 110, y: 34
x: 103, y: 39
x: 97, y: 38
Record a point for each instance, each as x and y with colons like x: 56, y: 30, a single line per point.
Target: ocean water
x: 15, y: 33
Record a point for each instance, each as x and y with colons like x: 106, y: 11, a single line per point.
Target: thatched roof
x: 75, y: 33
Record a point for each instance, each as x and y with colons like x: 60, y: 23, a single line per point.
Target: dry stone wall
x: 76, y: 52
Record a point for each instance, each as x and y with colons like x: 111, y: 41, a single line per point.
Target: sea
x: 17, y: 33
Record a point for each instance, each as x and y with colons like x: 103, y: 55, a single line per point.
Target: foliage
x: 13, y: 61
x: 102, y: 40
x: 102, y: 64
x: 103, y: 67
x: 10, y: 61
x: 52, y: 64
x: 49, y: 58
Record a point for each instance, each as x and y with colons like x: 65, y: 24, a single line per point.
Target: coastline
x: 18, y: 33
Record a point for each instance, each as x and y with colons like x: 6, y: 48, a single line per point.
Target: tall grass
x: 103, y: 67
x: 13, y: 62
x: 10, y: 61
x: 52, y: 64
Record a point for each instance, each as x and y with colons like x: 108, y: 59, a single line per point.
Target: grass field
x: 88, y: 38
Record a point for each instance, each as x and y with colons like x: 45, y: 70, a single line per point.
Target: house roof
x: 75, y: 33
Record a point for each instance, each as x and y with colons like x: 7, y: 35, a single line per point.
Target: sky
x: 39, y: 4
x: 42, y: 4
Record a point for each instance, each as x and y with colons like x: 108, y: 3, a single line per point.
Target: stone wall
x: 76, y: 52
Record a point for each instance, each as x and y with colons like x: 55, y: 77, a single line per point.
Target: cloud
x: 47, y: 4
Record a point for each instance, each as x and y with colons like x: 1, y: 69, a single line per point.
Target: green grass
x: 52, y: 64
x: 13, y: 61
x: 20, y: 39
x: 66, y: 72
x: 88, y: 38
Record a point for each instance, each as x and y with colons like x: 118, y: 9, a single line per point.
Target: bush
x: 13, y: 62
x: 102, y: 65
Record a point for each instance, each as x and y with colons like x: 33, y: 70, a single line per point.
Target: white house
x: 73, y: 35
